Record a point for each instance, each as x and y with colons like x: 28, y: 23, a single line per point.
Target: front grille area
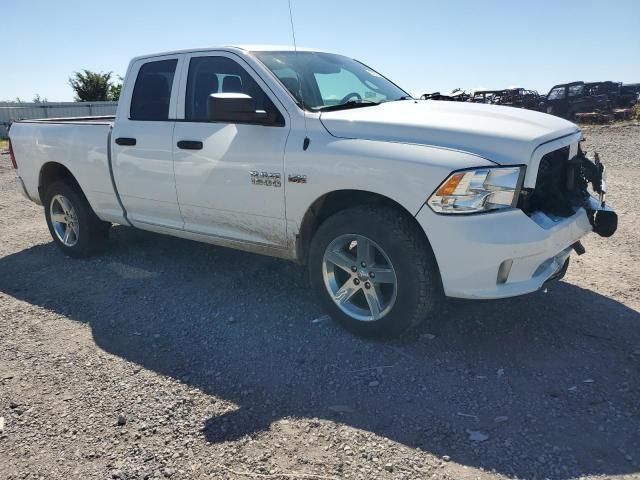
x: 551, y: 193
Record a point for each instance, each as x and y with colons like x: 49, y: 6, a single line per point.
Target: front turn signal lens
x: 450, y: 185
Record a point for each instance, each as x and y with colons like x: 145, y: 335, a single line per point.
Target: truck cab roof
x: 233, y: 48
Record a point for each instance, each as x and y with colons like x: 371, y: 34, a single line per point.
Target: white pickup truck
x: 393, y: 203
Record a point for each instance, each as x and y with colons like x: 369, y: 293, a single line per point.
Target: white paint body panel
x: 469, y: 249
x: 504, y: 135
x: 144, y: 173
x: 82, y: 148
x: 212, y: 183
x: 402, y: 150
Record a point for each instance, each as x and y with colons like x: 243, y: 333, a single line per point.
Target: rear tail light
x: 12, y: 156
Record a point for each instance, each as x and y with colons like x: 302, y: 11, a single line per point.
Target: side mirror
x: 234, y: 108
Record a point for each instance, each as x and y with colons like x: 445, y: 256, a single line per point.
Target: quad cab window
x: 152, y: 91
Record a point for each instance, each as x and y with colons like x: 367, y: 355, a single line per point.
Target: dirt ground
x: 164, y: 358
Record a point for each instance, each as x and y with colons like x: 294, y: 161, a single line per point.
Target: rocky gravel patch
x: 165, y: 358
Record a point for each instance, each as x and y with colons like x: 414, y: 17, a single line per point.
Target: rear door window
x: 152, y: 91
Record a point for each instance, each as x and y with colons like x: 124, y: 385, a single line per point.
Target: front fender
x: 404, y: 173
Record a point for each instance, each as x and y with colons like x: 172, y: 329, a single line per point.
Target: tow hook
x: 578, y: 247
x: 604, y: 221
x: 603, y: 182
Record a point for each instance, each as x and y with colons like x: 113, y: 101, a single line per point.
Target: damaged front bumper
x: 504, y: 254
x: 516, y: 251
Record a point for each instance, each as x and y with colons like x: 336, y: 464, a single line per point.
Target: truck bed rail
x: 100, y: 120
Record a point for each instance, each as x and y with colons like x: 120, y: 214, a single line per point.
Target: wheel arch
x: 54, y: 171
x: 332, y: 202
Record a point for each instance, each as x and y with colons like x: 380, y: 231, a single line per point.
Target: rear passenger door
x: 142, y: 143
x: 229, y: 175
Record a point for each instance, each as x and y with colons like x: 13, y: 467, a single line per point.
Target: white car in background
x: 393, y: 203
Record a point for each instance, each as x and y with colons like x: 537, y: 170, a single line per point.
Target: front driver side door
x: 230, y: 176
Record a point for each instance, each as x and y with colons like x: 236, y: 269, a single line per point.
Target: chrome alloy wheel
x: 359, y: 277
x: 64, y: 220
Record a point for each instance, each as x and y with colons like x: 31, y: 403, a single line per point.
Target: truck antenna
x: 305, y: 144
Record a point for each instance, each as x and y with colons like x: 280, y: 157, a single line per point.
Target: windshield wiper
x: 348, y: 105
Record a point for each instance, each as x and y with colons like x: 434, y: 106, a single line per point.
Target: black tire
x: 92, y: 231
x: 419, y: 293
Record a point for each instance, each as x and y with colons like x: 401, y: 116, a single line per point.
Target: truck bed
x: 80, y: 144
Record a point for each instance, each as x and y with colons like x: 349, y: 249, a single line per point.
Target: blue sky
x: 423, y: 45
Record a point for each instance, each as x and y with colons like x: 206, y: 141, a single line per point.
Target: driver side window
x: 209, y: 75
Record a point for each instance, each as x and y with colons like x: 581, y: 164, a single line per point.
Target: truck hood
x: 504, y: 135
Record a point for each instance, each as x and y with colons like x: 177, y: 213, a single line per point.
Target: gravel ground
x: 164, y: 358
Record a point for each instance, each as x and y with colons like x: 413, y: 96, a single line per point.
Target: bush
x: 91, y: 86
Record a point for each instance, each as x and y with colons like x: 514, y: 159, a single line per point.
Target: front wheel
x: 374, y: 271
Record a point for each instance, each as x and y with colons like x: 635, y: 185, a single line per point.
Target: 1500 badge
x: 268, y: 179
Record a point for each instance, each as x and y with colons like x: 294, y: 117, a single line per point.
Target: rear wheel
x: 73, y: 225
x: 374, y: 271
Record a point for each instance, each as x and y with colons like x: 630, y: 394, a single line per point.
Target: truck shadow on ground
x: 551, y: 379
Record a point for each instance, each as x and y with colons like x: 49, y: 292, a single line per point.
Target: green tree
x: 115, y: 89
x: 91, y: 86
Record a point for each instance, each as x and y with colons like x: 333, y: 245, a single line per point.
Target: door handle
x: 126, y: 141
x: 190, y: 145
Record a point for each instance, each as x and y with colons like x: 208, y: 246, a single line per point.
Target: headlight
x: 478, y: 190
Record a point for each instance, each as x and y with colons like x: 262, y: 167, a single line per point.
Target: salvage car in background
x: 520, y: 98
x: 484, y: 96
x: 566, y: 100
x: 456, y: 95
x: 510, y: 97
x: 629, y: 94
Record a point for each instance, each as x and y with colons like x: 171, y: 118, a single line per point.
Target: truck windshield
x: 321, y: 81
